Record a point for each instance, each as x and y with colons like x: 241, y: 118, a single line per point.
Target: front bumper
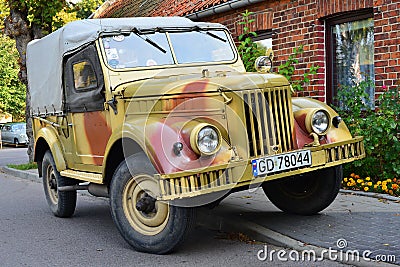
x: 239, y: 173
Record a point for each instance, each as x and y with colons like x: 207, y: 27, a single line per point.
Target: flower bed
x: 388, y: 186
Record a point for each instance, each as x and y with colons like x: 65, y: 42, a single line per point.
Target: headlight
x: 205, y: 139
x: 320, y: 122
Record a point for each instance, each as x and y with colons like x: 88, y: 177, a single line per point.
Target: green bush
x: 249, y: 51
x: 288, y: 67
x: 380, y: 128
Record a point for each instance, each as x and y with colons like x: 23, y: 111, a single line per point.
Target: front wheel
x: 146, y: 224
x: 305, y: 194
x: 62, y: 204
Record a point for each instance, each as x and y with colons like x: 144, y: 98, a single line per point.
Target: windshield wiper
x: 216, y: 36
x: 148, y: 40
x: 203, y: 31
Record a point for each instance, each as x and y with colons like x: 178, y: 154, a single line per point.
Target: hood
x: 173, y: 83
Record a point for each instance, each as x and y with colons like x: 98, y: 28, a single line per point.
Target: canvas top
x: 45, y: 56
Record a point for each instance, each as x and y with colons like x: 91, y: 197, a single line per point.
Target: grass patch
x: 23, y: 167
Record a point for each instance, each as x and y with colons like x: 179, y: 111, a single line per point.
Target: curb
x: 370, y: 194
x: 21, y: 174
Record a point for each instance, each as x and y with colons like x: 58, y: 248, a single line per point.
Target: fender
x: 157, y: 139
x: 301, y: 105
x: 49, y: 134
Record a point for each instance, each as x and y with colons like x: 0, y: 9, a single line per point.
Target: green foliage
x: 287, y: 69
x: 248, y: 50
x: 381, y: 129
x: 86, y: 7
x: 48, y: 15
x: 23, y: 167
x: 12, y: 91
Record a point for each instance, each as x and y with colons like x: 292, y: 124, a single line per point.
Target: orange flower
x: 357, y: 176
x: 395, y: 186
x: 394, y: 179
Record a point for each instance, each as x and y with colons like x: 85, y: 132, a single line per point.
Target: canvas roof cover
x: 45, y: 56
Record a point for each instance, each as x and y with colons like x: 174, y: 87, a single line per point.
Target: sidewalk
x: 352, y: 222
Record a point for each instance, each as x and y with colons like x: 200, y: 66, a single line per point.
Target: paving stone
x: 364, y: 222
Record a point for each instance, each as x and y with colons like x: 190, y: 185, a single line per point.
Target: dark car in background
x: 14, y: 133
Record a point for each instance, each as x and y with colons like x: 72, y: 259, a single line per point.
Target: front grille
x: 269, y: 120
x: 191, y: 184
x: 345, y: 152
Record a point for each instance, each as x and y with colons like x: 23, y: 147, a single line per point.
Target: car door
x: 5, y: 133
x: 84, y: 104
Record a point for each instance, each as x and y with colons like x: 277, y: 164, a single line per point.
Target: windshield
x: 129, y: 51
x: 152, y: 49
x: 198, y: 46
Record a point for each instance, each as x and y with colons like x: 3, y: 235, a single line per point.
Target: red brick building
x: 358, y: 37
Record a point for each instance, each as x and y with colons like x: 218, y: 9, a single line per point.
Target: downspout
x: 225, y: 7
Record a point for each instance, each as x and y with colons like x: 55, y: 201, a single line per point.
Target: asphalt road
x: 31, y: 236
x: 12, y: 155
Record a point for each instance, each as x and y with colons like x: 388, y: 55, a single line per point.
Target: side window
x: 83, y: 81
x: 84, y: 75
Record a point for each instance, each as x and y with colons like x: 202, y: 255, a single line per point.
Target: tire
x: 16, y: 142
x: 62, y: 204
x: 159, y: 231
x: 305, y: 194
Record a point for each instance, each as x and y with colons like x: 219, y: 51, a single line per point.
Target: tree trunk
x: 17, y: 27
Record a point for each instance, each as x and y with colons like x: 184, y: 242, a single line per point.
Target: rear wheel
x: 62, y: 204
x: 16, y: 142
x: 146, y: 224
x: 305, y: 194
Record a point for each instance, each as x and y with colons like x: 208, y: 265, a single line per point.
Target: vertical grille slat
x: 268, y: 121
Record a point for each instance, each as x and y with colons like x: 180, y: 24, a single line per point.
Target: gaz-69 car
x: 159, y: 115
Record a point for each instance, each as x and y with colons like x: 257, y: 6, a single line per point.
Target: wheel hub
x: 146, y: 204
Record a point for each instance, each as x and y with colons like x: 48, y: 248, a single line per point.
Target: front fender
x: 301, y: 106
x: 157, y: 137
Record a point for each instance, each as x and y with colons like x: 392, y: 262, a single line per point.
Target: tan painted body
x: 157, y: 107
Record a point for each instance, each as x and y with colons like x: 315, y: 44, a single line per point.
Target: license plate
x: 281, y: 162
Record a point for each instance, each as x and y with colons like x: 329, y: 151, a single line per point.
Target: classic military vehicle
x: 159, y: 115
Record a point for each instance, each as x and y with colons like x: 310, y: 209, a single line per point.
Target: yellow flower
x: 389, y: 180
x: 368, y: 178
x: 379, y: 182
x: 359, y: 181
x: 366, y: 188
x: 349, y: 184
x: 369, y: 183
x: 375, y: 186
x: 345, y: 179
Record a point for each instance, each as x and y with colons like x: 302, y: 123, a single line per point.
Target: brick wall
x: 302, y: 22
x: 387, y: 43
x: 296, y: 23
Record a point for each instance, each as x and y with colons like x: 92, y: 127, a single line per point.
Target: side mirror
x: 263, y: 64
